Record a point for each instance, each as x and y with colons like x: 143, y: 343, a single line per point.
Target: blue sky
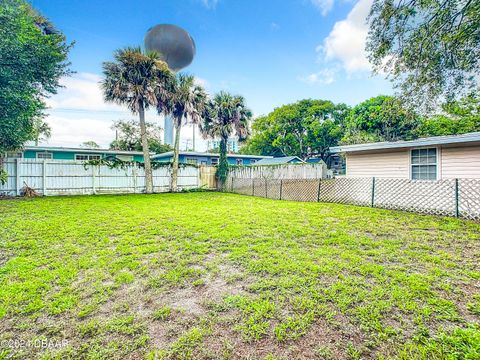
x: 271, y: 52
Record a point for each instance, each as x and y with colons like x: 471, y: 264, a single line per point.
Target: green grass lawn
x: 210, y: 275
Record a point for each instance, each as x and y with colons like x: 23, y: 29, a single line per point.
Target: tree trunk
x: 222, y: 169
x: 176, y: 151
x: 146, y: 152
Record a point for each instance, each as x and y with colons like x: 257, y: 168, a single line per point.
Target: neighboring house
x: 79, y: 154
x: 335, y: 162
x: 432, y: 158
x: 199, y: 158
x: 280, y: 160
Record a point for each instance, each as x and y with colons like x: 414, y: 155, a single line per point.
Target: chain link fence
x: 451, y: 197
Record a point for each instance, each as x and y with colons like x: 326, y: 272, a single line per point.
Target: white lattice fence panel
x: 469, y: 198
x: 260, y: 187
x: 356, y: 191
x: 274, y: 189
x: 300, y: 190
x: 429, y: 197
x: 242, y: 186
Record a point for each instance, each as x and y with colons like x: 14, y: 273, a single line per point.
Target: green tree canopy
x: 90, y: 145
x: 128, y: 137
x: 382, y: 118
x: 303, y: 129
x: 429, y: 48
x: 458, y: 117
x: 33, y: 57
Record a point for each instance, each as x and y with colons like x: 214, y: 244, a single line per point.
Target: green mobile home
x: 79, y: 154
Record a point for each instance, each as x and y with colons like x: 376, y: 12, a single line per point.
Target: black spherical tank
x: 174, y: 45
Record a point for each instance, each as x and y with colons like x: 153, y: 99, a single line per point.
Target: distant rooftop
x: 278, y: 160
x: 427, y: 141
x: 197, y: 153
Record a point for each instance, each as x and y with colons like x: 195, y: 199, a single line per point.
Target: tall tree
x: 33, y: 57
x: 458, y: 117
x: 382, y: 118
x: 135, y: 79
x: 226, y: 115
x: 185, y: 102
x: 429, y: 48
x: 128, y: 137
x: 306, y: 128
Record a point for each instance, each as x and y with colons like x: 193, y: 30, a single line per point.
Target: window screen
x: 424, y: 164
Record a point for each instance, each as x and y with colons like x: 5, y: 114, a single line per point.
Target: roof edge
x: 427, y: 141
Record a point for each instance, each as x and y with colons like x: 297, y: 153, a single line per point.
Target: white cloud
x: 81, y: 91
x: 210, y: 4
x: 323, y: 5
x: 346, y: 42
x: 72, y: 131
x: 202, y: 82
x: 325, y: 76
x: 274, y: 26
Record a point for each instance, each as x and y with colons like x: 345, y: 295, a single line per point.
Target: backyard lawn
x: 211, y: 275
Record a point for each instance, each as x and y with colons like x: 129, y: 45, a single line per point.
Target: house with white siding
x: 432, y: 158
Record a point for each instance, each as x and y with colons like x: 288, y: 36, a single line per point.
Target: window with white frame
x: 44, y: 155
x: 192, y: 161
x: 15, y: 155
x: 239, y: 161
x: 424, y: 164
x: 86, y: 157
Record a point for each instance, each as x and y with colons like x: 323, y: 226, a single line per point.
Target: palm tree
x: 226, y: 115
x: 185, y: 102
x: 41, y: 130
x: 135, y: 79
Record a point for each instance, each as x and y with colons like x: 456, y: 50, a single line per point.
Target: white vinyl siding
x: 461, y: 162
x: 386, y: 164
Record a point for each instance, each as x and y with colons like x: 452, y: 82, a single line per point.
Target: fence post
x: 457, y: 210
x: 134, y: 173
x: 18, y: 176
x: 44, y: 177
x: 318, y: 191
x: 266, y: 189
x: 373, y: 191
x: 281, y: 188
x: 94, y: 190
x: 253, y: 187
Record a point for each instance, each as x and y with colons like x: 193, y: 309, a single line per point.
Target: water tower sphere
x: 174, y: 45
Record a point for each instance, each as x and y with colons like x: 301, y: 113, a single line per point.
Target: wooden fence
x: 60, y: 177
x: 284, y: 171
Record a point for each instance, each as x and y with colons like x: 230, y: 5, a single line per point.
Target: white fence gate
x: 61, y: 177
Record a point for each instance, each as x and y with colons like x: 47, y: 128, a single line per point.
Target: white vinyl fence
x: 284, y: 171
x: 60, y: 177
